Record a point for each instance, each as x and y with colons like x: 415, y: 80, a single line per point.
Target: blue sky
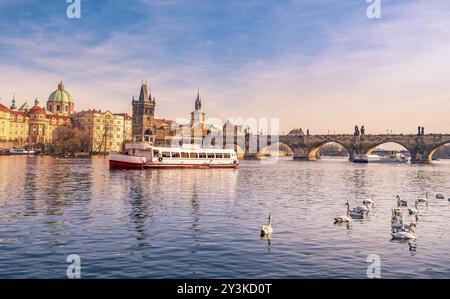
x: 318, y: 64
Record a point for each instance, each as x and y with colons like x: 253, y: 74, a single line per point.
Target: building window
x: 67, y: 108
x: 58, y: 108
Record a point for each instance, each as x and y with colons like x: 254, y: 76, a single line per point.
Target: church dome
x: 60, y: 95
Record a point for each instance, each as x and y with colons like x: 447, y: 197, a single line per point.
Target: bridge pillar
x: 301, y: 154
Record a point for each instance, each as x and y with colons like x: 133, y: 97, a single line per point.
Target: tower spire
x: 143, y: 96
x: 198, y: 101
x: 13, y: 102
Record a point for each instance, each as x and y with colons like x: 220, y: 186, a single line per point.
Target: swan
x: 397, y: 212
x: 368, y: 201
x: 267, y: 229
x: 401, y: 203
x: 440, y: 196
x: 415, y: 210
x: 405, y: 233
x: 423, y: 199
x: 344, y: 219
x: 396, y: 224
x: 362, y: 209
x: 357, y: 214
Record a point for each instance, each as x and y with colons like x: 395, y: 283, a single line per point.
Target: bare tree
x: 70, y: 140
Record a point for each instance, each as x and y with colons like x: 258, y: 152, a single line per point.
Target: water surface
x: 205, y: 223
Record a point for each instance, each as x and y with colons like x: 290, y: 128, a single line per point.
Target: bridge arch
x: 372, y: 147
x: 314, y: 150
x: 434, y: 149
x: 277, y: 146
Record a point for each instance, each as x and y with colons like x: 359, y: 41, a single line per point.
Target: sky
x: 321, y: 65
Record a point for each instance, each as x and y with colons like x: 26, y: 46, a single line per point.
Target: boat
x: 140, y: 155
x: 394, y: 157
x: 22, y: 151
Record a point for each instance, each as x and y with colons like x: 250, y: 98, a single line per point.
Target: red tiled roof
x: 4, y: 108
x: 37, y: 109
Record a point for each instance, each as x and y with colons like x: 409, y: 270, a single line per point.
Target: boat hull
x: 119, y: 161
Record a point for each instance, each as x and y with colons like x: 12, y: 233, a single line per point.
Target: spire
x: 13, y: 102
x: 198, y: 102
x: 143, y: 96
x: 61, y: 85
x: 24, y: 107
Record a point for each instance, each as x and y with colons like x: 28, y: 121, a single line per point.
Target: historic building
x: 108, y: 132
x: 36, y: 124
x: 145, y: 126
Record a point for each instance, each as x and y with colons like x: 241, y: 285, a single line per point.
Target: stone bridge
x: 420, y: 147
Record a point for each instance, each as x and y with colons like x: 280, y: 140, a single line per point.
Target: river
x: 205, y: 223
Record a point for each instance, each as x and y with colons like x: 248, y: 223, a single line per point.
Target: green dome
x: 60, y: 95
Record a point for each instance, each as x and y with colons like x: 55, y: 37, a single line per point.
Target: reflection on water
x: 206, y: 223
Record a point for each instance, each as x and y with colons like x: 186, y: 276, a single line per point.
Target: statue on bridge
x: 420, y: 131
x: 363, y: 130
x: 357, y: 133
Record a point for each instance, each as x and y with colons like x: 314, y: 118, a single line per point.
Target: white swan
x: 415, y: 210
x: 369, y: 201
x: 396, y: 221
x: 357, y: 214
x: 401, y: 203
x: 344, y: 219
x: 423, y: 199
x: 405, y: 233
x: 267, y: 229
x: 362, y: 209
x: 440, y: 196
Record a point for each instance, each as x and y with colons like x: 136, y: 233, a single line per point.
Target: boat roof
x: 185, y: 148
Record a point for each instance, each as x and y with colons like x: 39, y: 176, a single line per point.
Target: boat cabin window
x: 175, y: 155
x: 219, y: 155
x: 202, y: 155
x: 210, y: 156
x: 227, y: 156
x: 155, y: 153
x: 185, y: 155
x: 193, y: 155
x: 166, y: 154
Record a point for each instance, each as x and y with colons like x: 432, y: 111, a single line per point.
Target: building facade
x: 107, y: 132
x: 36, y: 124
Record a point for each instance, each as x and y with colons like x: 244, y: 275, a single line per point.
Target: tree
x: 68, y: 140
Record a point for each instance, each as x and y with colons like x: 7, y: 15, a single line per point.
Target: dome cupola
x: 60, y: 101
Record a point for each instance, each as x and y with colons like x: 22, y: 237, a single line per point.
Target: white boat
x: 22, y: 151
x: 145, y: 155
x: 393, y: 158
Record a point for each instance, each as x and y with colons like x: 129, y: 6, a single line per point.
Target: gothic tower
x: 143, y: 115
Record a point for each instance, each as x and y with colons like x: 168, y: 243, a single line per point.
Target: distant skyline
x: 322, y: 65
